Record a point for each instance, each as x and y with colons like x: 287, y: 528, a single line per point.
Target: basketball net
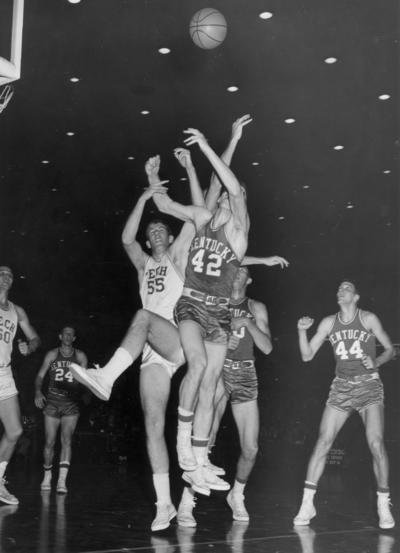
x: 5, y: 96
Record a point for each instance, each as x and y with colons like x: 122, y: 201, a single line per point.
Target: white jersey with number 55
x: 161, y: 286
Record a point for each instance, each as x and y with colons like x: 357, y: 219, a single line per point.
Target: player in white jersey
x: 11, y: 316
x: 152, y: 330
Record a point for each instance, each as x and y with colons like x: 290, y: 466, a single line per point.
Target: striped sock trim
x: 383, y: 490
x: 47, y: 467
x: 64, y: 465
x: 310, y: 485
x: 199, y: 442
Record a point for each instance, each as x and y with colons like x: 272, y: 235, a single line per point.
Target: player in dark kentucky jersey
x: 11, y: 316
x: 239, y: 384
x: 202, y: 312
x: 356, y: 387
x: 60, y: 405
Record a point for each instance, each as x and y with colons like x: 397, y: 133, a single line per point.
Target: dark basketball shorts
x: 214, y: 320
x: 60, y: 407
x: 240, y: 381
x: 348, y: 395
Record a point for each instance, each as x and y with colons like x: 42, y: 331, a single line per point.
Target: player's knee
x: 196, y: 366
x: 324, y: 443
x: 154, y: 423
x: 250, y: 452
x: 66, y: 440
x: 14, y: 434
x: 376, y: 445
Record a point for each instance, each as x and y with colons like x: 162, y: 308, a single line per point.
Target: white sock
x: 118, y: 363
x: 161, y: 486
x: 3, y: 466
x: 308, y: 494
x: 63, y: 472
x: 187, y: 495
x: 200, y: 449
x: 238, y: 487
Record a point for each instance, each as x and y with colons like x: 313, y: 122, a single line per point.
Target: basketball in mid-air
x: 208, y: 28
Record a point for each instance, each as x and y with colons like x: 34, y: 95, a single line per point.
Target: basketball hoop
x: 10, y: 70
x: 5, y: 96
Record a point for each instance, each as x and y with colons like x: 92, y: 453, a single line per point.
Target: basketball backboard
x: 10, y: 69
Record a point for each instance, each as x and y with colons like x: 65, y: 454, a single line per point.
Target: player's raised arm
x: 268, y: 261
x: 308, y: 348
x: 215, y: 184
x: 129, y: 234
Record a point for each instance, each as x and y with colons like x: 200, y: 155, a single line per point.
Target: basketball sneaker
x: 214, y: 482
x: 61, y: 487
x: 165, y: 513
x: 92, y: 379
x: 197, y: 481
x: 219, y: 471
x: 386, y: 520
x: 45, y: 486
x: 185, y: 510
x: 236, y: 503
x: 5, y: 495
x: 306, y: 513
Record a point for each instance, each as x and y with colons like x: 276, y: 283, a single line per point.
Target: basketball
x: 208, y: 28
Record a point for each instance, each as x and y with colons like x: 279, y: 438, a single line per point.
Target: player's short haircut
x: 158, y: 222
x: 2, y: 267
x: 68, y: 326
x: 353, y: 282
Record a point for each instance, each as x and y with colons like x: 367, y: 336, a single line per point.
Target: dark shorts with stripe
x: 214, y: 320
x: 357, y: 394
x: 60, y: 406
x: 240, y: 381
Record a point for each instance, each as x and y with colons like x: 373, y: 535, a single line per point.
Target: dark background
x: 332, y: 214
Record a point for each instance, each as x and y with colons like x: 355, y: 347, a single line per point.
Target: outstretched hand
x: 237, y: 127
x: 152, y: 168
x: 196, y: 138
x: 305, y: 323
x: 184, y: 157
x: 276, y: 260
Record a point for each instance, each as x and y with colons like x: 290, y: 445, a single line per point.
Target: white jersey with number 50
x: 161, y: 286
x: 8, y: 328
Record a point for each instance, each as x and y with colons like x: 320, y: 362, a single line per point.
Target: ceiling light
x: 255, y: 163
x: 86, y: 230
x: 22, y: 276
x: 281, y: 218
x: 265, y: 15
x: 183, y: 178
x: 74, y: 80
x: 330, y: 60
x: 338, y: 147
x: 290, y: 120
x: 349, y: 206
x: 70, y: 133
x: 386, y: 172
x: 384, y: 97
x: 306, y: 186
x: 232, y: 89
x: 145, y: 112
x: 74, y: 1
x: 54, y: 189
x: 131, y: 158
x: 164, y: 50
x: 45, y: 161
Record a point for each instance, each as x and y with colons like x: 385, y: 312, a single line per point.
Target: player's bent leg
x: 246, y: 416
x: 68, y: 426
x: 195, y: 353
x: 220, y: 402
x: 155, y: 383
x: 204, y: 413
x: 10, y: 416
x: 332, y: 421
x: 373, y: 418
x: 51, y: 425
